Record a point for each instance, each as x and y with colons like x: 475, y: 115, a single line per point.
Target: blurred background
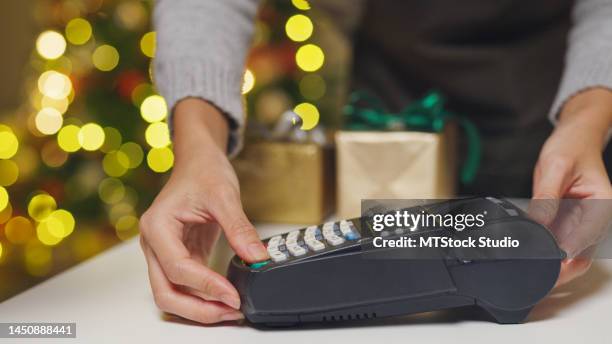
x: 84, y: 144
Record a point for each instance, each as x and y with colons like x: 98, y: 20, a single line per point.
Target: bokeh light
x: 153, y: 109
x: 248, y: 81
x: 68, y: 138
x: 19, y: 230
x: 50, y: 44
x: 301, y: 4
x: 147, y: 44
x: 157, y: 135
x: 52, y: 155
x: 309, y: 115
x: 312, y: 87
x: 4, y: 198
x: 54, y: 85
x: 6, y: 213
x: 60, y: 105
x: 41, y: 206
x: 105, y: 58
x: 48, y: 121
x: 310, y: 58
x: 49, y: 231
x: 112, y: 139
x: 299, y: 28
x: 38, y: 259
x: 8, y: 143
x: 115, y: 163
x: 134, y: 153
x: 60, y: 223
x: 111, y: 190
x: 140, y: 92
x: 78, y: 31
x: 91, y: 136
x: 9, y: 172
x: 160, y: 159
x: 126, y: 227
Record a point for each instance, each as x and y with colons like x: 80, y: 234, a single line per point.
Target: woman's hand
x: 183, y: 224
x: 571, y: 166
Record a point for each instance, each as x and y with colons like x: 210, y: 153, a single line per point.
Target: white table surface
x: 109, y: 299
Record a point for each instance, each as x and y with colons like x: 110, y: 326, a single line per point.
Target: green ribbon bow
x: 365, y: 112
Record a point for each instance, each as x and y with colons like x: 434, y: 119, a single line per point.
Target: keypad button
x: 296, y: 250
x: 278, y: 256
x: 275, y: 240
x: 329, y: 226
x: 259, y: 264
x: 315, y: 245
x: 335, y: 240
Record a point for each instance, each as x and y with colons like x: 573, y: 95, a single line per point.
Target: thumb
x: 549, y: 186
x: 241, y: 234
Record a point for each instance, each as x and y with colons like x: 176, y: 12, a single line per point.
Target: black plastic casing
x: 344, y: 284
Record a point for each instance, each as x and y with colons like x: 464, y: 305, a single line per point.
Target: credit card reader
x: 324, y: 274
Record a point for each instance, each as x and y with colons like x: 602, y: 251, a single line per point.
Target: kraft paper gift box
x: 393, y: 165
x: 286, y: 182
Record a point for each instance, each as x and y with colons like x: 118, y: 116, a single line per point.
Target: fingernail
x: 232, y: 316
x: 230, y: 300
x: 258, y: 251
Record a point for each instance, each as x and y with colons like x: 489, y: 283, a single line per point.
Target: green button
x: 259, y: 264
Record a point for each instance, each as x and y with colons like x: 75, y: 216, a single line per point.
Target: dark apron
x: 499, y: 62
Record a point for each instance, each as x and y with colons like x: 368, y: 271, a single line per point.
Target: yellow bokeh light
x: 312, y: 87
x: 134, y: 153
x: 299, y: 28
x: 248, y: 81
x: 310, y: 58
x: 48, y: 121
x: 126, y: 227
x: 50, y: 44
x: 49, y: 231
x: 19, y: 230
x: 60, y: 105
x: 153, y: 109
x: 6, y: 214
x: 111, y: 190
x: 157, y: 135
x: 8, y: 144
x: 4, y: 198
x: 301, y: 4
x: 105, y: 58
x: 0, y: 250
x: 78, y: 31
x: 309, y: 115
x: 41, y: 206
x: 61, y: 223
x: 68, y: 138
x: 91, y: 136
x: 115, y: 163
x: 112, y: 140
x: 54, y: 85
x: 9, y: 172
x: 147, y: 44
x: 38, y: 259
x: 160, y: 159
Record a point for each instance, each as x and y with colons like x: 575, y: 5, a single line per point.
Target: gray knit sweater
x: 202, y: 46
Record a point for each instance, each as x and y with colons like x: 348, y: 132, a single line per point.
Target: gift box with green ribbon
x: 409, y: 154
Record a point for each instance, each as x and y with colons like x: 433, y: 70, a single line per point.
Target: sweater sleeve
x: 589, y: 57
x: 201, y: 51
